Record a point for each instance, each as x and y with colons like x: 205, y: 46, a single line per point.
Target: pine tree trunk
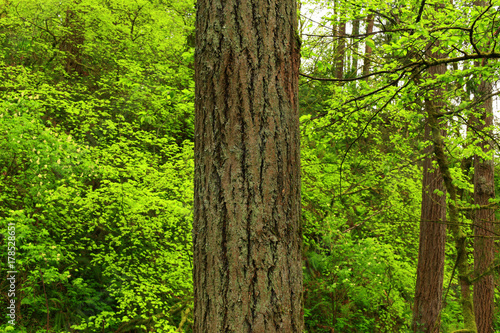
x: 246, y: 232
x: 484, y: 189
x: 430, y: 269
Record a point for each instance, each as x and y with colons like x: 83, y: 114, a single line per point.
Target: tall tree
x: 370, y: 21
x: 340, y: 32
x: 354, y: 45
x: 484, y: 189
x: 430, y: 269
x: 246, y: 232
x: 432, y: 238
x: 459, y: 236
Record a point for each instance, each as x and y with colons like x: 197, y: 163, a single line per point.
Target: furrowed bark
x: 484, y: 189
x: 430, y: 268
x: 459, y: 236
x: 246, y: 233
x: 432, y: 239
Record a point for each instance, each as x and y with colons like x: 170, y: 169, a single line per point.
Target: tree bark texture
x: 484, y: 189
x: 459, y: 236
x: 246, y: 233
x: 431, y: 255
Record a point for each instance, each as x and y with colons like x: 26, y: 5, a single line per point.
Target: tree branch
x: 420, y: 11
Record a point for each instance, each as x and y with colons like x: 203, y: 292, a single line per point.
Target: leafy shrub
x: 358, y: 286
x: 97, y: 245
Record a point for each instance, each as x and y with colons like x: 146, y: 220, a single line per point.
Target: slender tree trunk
x: 430, y: 269
x: 246, y: 232
x: 72, y: 44
x: 340, y: 54
x: 459, y: 236
x: 354, y: 41
x: 484, y: 189
x: 370, y: 21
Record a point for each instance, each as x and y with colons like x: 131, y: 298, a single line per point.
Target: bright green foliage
x: 360, y: 202
x: 110, y: 247
x: 358, y: 286
x: 97, y: 162
x: 363, y: 139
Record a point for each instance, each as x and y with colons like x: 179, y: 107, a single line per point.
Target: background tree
x: 432, y: 239
x: 484, y: 190
x: 370, y: 21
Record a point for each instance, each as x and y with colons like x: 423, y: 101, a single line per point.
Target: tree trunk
x: 430, y: 269
x: 370, y: 21
x: 459, y: 236
x: 72, y: 44
x: 484, y: 189
x: 340, y: 54
x: 354, y: 42
x: 246, y: 231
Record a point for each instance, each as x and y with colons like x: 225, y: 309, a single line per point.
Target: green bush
x: 97, y: 245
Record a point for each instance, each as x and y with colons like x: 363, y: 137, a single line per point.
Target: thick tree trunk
x: 246, y: 233
x: 429, y: 286
x: 430, y: 269
x: 484, y: 189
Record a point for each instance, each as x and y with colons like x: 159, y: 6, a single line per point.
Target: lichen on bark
x: 246, y: 232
